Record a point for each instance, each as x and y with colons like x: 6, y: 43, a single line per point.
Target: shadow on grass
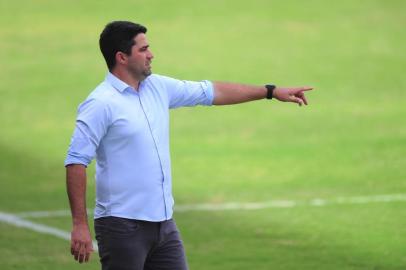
x: 30, y: 183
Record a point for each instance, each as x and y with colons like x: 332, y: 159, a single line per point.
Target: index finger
x: 305, y: 88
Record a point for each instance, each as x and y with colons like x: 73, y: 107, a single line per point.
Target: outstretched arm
x: 233, y: 93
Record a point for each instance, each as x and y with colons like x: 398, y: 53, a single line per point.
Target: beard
x: 147, y: 72
x: 140, y: 74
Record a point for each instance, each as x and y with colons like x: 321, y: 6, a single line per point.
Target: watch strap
x: 269, y: 88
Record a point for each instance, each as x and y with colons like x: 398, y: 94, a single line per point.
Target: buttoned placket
x: 149, y: 119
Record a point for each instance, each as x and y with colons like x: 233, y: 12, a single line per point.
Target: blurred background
x: 349, y: 143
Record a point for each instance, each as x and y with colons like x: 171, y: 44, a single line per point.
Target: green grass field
x: 350, y: 141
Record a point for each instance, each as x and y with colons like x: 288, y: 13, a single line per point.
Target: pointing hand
x: 295, y: 95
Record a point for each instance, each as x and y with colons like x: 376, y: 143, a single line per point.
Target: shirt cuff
x: 209, y: 92
x: 73, y: 159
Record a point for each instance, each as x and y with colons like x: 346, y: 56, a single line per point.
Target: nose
x: 150, y: 55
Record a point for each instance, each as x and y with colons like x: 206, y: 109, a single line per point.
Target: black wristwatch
x: 270, y: 88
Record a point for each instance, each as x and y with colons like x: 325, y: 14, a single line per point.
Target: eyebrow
x: 144, y: 47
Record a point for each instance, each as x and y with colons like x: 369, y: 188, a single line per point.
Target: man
x: 125, y: 123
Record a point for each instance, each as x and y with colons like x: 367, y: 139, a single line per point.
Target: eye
x: 143, y: 49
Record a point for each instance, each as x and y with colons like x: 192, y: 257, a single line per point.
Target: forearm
x: 233, y: 93
x: 76, y: 188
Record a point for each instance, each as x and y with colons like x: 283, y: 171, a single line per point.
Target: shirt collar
x: 116, y: 82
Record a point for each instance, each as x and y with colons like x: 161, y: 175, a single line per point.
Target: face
x: 139, y: 62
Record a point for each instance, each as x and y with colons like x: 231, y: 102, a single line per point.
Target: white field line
x: 248, y: 205
x: 291, y: 203
x: 23, y: 223
x: 19, y: 221
x: 44, y: 214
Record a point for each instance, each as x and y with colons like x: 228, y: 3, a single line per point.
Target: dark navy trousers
x: 127, y: 244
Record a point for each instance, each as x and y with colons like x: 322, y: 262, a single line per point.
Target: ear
x: 121, y: 58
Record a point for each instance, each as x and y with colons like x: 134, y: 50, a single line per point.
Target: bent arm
x: 81, y: 242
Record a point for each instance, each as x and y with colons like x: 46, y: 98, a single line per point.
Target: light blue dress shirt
x: 128, y: 133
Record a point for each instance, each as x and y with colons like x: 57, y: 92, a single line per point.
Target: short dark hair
x: 118, y: 36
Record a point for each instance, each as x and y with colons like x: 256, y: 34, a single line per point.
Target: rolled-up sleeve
x: 91, y: 125
x: 188, y: 93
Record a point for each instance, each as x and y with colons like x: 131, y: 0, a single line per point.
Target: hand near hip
x: 81, y: 243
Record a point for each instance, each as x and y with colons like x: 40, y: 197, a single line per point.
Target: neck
x: 126, y: 77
